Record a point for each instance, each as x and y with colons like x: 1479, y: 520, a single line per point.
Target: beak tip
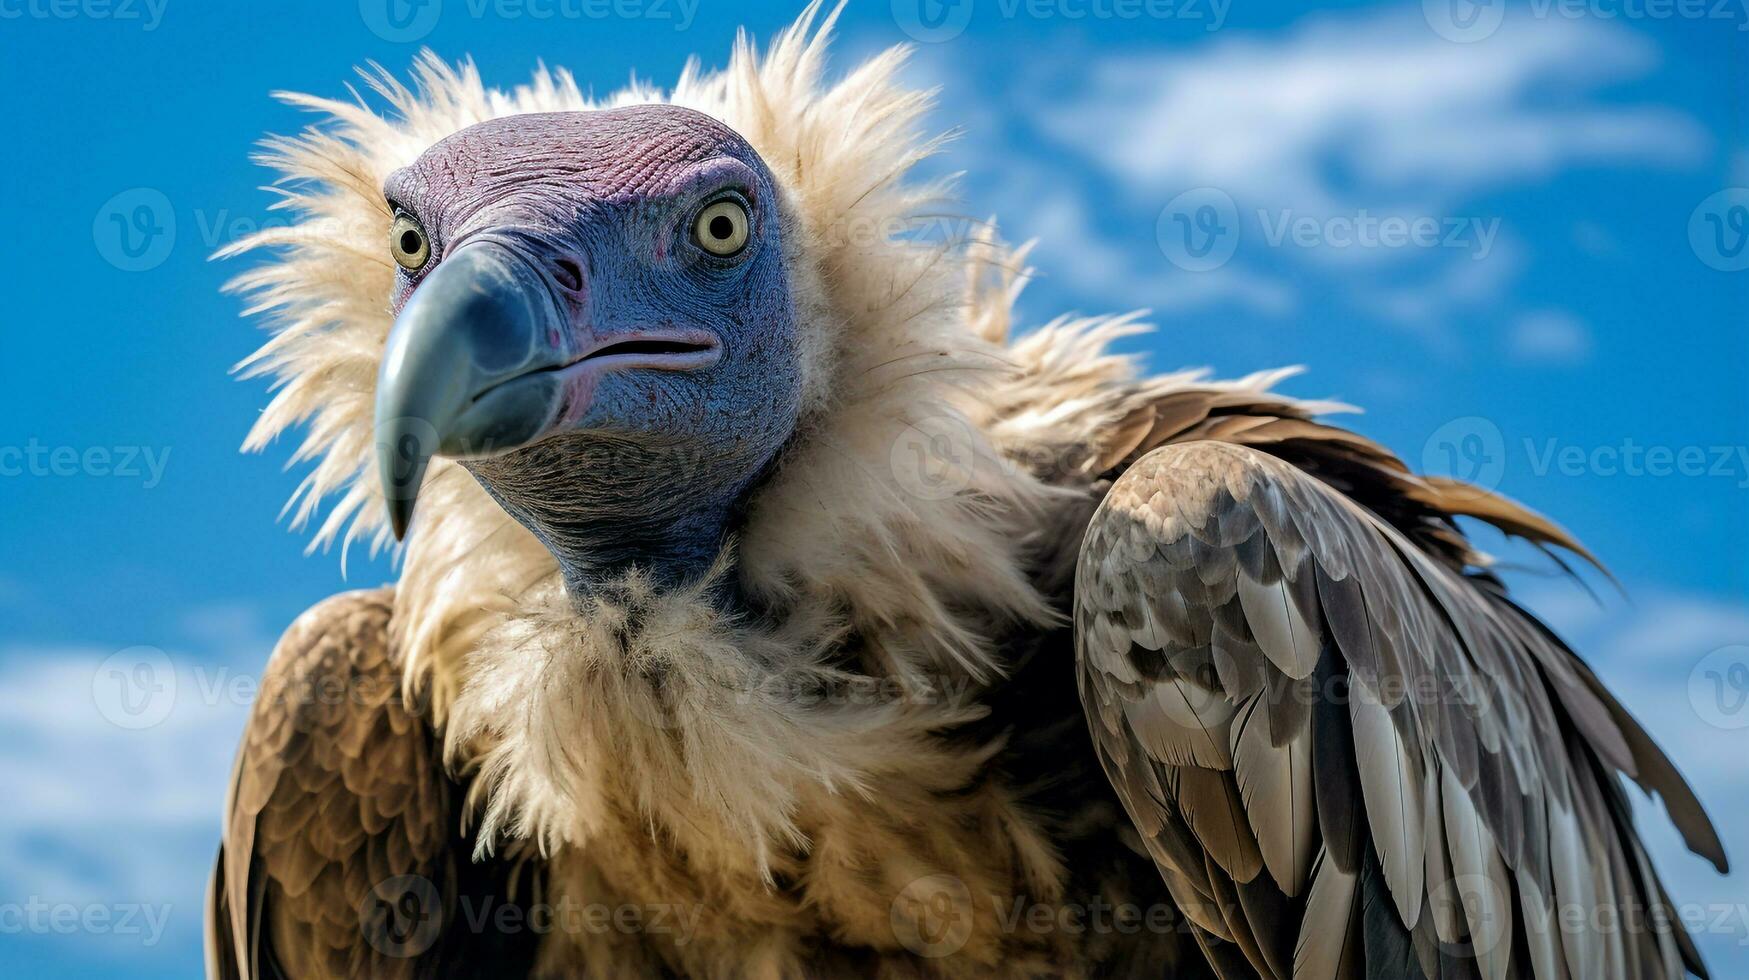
x: 400, y: 510
x: 401, y: 487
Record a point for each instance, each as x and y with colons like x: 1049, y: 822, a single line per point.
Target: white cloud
x: 1550, y: 337
x: 1378, y: 111
x: 108, y: 817
x: 1348, y: 118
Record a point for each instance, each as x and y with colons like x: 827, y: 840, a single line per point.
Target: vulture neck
x: 671, y: 554
x: 668, y: 561
x: 671, y: 545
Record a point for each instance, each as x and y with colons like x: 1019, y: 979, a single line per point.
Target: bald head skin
x: 593, y: 316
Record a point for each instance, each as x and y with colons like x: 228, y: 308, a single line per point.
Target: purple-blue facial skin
x: 568, y: 233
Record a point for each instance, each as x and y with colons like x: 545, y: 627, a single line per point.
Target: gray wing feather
x: 1226, y: 604
x: 1275, y: 784
x: 1329, y: 941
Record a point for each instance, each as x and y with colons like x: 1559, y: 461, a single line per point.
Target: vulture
x: 770, y: 605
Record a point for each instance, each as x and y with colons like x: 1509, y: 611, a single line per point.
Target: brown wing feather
x: 1213, y: 576
x: 1422, y: 507
x: 341, y: 854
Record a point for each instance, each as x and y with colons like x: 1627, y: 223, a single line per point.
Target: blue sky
x: 1514, y: 243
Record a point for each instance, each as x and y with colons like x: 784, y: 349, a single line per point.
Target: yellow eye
x: 408, y: 244
x: 721, y: 228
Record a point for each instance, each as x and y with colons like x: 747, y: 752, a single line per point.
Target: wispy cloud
x: 1550, y: 337
x: 1372, y: 111
x: 111, y: 814
x: 1319, y: 135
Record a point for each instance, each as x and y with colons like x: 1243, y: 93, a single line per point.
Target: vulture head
x: 593, y: 316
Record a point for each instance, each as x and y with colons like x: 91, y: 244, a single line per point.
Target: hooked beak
x: 467, y: 369
x: 484, y: 360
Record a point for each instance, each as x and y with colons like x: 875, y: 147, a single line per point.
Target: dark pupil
x: 409, y: 242
x: 722, y: 227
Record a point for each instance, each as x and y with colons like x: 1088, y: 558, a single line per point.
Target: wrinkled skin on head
x: 571, y: 233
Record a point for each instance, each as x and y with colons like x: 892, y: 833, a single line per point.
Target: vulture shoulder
x: 1347, y: 751
x: 341, y: 853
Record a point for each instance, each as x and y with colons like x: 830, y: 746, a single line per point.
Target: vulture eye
x: 408, y: 244
x: 721, y: 228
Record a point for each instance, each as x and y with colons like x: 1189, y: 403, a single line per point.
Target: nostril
x: 569, y: 274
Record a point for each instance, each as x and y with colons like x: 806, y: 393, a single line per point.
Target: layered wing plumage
x: 342, y: 855
x: 1348, y: 752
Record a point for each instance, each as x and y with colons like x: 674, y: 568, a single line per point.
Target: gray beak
x: 467, y: 369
